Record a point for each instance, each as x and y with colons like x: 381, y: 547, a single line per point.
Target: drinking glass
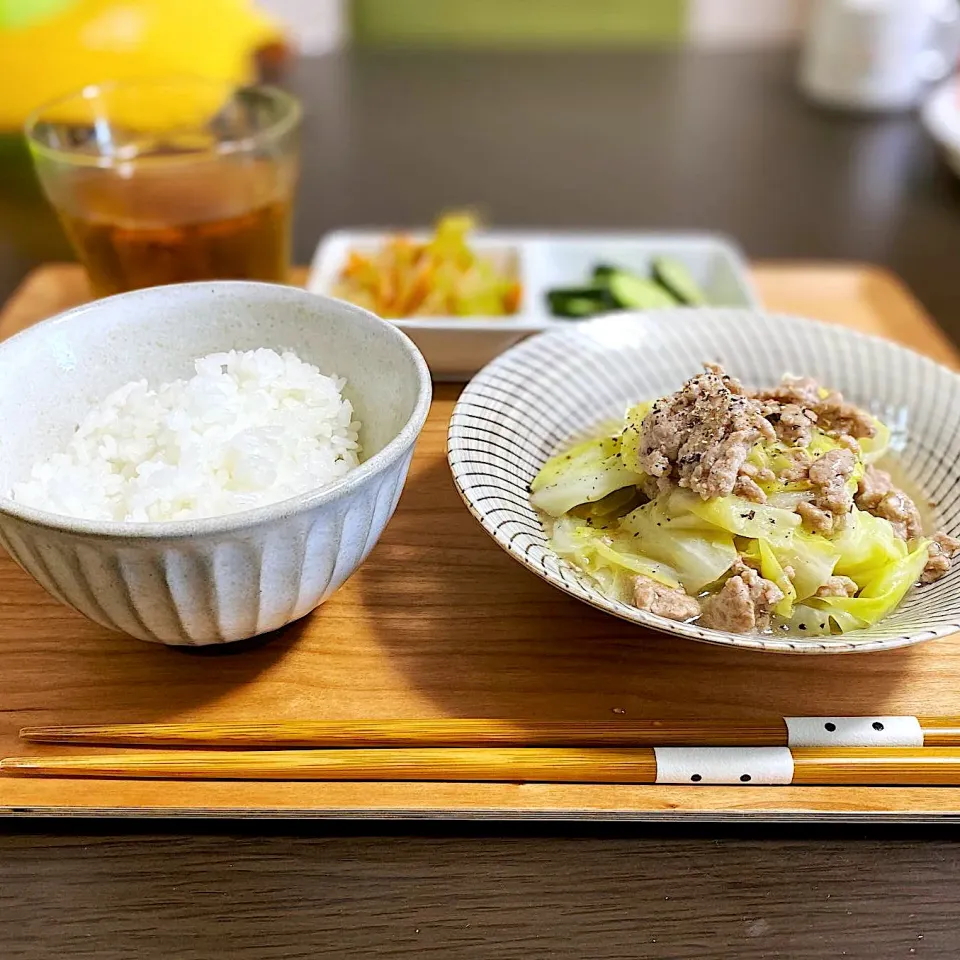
x: 167, y: 181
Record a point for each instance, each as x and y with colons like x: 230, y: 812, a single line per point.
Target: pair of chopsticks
x: 790, y: 751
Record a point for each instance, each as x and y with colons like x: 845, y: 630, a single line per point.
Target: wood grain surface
x: 474, y: 895
x: 440, y: 622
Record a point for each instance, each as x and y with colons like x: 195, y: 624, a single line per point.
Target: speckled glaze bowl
x: 539, y: 396
x: 198, y: 582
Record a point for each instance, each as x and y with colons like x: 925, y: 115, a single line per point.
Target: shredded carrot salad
x: 440, y: 277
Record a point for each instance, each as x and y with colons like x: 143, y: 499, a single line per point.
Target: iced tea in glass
x: 168, y: 181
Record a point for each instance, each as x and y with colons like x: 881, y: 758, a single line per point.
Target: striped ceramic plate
x: 558, y: 387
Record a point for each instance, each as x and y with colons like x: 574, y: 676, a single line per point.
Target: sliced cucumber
x: 676, y: 278
x: 635, y: 293
x: 579, y: 302
x: 612, y: 288
x: 602, y: 273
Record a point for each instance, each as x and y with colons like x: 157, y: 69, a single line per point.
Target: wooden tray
x: 439, y: 621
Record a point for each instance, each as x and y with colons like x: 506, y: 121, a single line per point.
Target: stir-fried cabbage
x: 790, y: 501
x: 630, y: 438
x: 611, y: 558
x: 612, y: 505
x: 586, y: 473
x: 700, y: 555
x: 682, y: 541
x: 778, y: 456
x: 738, y: 516
x: 867, y: 545
x: 873, y: 448
x: 773, y: 569
x: 881, y: 594
x: 821, y: 622
x: 813, y: 559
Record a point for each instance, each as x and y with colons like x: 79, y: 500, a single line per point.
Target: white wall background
x: 315, y: 25
x: 736, y: 22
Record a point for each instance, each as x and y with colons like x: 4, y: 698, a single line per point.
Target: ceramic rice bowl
x: 220, y: 579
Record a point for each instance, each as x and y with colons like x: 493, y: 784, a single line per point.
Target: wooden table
x: 716, y: 141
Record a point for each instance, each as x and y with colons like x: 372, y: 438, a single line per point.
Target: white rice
x: 247, y: 430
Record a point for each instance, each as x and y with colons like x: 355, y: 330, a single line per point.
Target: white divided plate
x: 530, y: 403
x: 456, y: 347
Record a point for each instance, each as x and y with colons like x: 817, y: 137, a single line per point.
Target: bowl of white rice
x: 201, y: 463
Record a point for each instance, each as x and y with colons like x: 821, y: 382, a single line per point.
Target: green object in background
x: 21, y: 13
x: 518, y: 23
x: 28, y: 225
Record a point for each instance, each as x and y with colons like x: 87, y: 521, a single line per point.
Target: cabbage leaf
x: 586, y: 473
x: 612, y: 558
x: 867, y: 546
x: 630, y: 438
x: 772, y: 569
x: 885, y: 591
x: 817, y: 622
x: 813, y: 559
x: 613, y: 505
x: 699, y: 555
x: 873, y: 448
x: 758, y: 521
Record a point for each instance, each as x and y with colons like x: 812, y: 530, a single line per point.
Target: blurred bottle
x: 878, y: 54
x: 49, y: 48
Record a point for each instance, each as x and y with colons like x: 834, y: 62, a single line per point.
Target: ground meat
x: 839, y: 418
x: 819, y: 521
x: 747, y: 488
x: 902, y: 512
x: 833, y: 414
x: 937, y: 566
x: 699, y: 437
x: 650, y: 487
x: 948, y: 546
x: 669, y: 602
x: 792, y: 423
x: 760, y: 474
x: 802, y: 391
x: 743, y: 605
x: 828, y: 477
x: 942, y: 552
x: 829, y: 509
x: 838, y: 587
x: 749, y: 480
x: 874, y: 485
x: 799, y: 469
x: 877, y: 494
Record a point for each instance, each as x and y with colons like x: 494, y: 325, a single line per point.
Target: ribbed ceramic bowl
x: 214, y: 580
x: 539, y: 396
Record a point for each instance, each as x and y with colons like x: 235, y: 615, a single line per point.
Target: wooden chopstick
x: 926, y: 766
x: 937, y: 731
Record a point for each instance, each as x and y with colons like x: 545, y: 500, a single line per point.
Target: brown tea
x: 212, y: 223
x: 162, y: 181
